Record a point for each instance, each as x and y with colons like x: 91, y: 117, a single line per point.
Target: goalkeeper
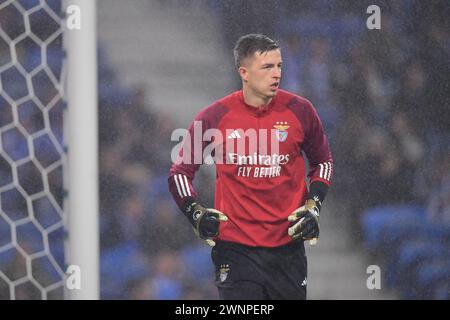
x: 263, y: 208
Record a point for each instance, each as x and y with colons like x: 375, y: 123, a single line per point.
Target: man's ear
x: 243, y: 72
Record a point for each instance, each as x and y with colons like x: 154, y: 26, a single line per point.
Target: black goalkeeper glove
x: 205, y: 221
x: 308, y: 226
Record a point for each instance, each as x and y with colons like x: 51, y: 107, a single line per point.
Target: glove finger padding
x: 294, y: 230
x: 310, y: 229
x: 208, y: 225
x: 298, y: 214
x: 210, y: 242
x: 205, y: 221
x: 219, y: 215
x: 308, y: 226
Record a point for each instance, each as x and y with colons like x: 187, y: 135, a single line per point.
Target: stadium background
x: 383, y: 96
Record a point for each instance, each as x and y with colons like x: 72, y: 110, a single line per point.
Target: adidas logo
x: 234, y: 135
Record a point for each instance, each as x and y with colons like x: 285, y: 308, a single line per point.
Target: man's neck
x: 253, y: 100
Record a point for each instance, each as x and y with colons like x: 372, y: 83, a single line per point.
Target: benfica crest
x: 223, y: 272
x: 281, y: 132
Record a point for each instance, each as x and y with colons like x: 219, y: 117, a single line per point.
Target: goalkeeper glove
x: 307, y: 228
x: 205, y: 221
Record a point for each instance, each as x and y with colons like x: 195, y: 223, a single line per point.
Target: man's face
x: 262, y: 73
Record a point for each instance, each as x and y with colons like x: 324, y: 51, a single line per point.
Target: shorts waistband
x: 296, y: 244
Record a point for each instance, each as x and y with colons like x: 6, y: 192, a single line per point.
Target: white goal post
x: 81, y: 48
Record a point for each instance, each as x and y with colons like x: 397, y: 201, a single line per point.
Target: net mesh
x: 32, y: 153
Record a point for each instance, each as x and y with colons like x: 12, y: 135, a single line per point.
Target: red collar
x: 260, y: 110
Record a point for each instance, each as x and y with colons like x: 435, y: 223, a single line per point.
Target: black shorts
x: 248, y: 273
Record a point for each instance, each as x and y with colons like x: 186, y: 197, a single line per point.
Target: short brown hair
x: 247, y: 45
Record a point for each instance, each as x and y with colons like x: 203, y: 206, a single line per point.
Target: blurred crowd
x: 383, y: 97
x: 148, y: 249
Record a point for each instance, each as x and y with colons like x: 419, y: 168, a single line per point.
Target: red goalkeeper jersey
x: 259, y: 183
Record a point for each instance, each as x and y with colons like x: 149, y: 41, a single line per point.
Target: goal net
x: 32, y: 150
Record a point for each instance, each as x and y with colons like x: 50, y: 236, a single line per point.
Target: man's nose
x: 277, y: 73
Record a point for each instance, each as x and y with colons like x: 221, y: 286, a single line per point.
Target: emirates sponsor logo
x: 258, y: 159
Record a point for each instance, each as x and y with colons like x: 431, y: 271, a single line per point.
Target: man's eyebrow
x: 271, y: 64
